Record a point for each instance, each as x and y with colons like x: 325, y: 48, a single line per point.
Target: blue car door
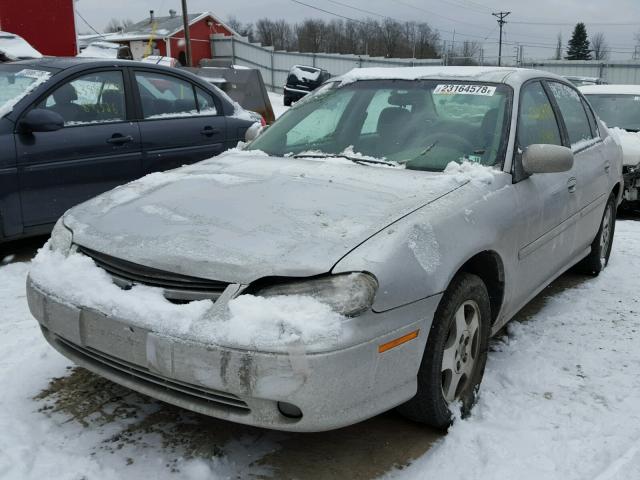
x: 98, y: 148
x: 180, y: 122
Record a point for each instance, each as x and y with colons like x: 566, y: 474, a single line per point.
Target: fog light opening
x: 289, y: 410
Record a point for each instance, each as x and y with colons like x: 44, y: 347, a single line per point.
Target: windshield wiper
x: 358, y: 160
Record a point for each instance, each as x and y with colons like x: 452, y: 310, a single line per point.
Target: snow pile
x: 471, y: 172
x: 424, y: 245
x: 630, y: 143
x: 298, y: 319
x: 246, y: 321
x: 303, y: 73
x: 17, y: 47
x: 100, y: 50
x: 416, y: 73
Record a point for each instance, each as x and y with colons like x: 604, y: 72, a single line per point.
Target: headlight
x: 61, y: 238
x: 348, y: 294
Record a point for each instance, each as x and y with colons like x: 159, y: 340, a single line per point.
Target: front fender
x: 417, y: 256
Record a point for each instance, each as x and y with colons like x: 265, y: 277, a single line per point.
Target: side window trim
x: 564, y: 132
x: 591, y: 116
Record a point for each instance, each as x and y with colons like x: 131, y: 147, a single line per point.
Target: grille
x: 178, y: 288
x: 184, y: 391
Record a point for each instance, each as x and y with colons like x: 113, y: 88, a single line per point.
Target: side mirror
x: 41, y: 120
x: 542, y: 158
x: 253, y: 131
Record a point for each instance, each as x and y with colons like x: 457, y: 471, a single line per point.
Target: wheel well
x: 616, y: 191
x: 488, y: 266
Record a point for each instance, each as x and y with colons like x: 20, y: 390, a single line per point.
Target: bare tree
x: 558, y: 55
x: 243, y: 29
x: 466, y: 54
x: 116, y: 25
x: 599, y: 46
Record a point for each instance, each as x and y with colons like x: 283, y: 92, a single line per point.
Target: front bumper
x: 332, y: 389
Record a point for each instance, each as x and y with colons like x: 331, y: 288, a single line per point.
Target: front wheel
x: 455, y: 356
x: 287, y: 101
x: 598, y: 259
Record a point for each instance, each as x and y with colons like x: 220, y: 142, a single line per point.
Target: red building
x: 165, y: 36
x: 48, y: 25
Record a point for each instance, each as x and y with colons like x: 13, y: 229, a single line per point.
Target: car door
x: 591, y: 165
x: 180, y: 122
x: 98, y: 148
x: 546, y: 202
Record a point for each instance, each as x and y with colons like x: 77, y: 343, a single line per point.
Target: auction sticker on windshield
x: 464, y: 89
x: 37, y: 74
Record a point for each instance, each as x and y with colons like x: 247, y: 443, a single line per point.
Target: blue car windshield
x: 423, y: 124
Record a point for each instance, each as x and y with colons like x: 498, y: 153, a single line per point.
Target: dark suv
x: 301, y: 80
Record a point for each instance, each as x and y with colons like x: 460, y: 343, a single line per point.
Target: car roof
x: 63, y: 63
x: 509, y: 75
x: 610, y: 89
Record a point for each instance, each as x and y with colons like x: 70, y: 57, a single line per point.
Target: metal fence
x: 613, y: 72
x: 275, y: 65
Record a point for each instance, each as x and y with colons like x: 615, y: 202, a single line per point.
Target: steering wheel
x: 449, y: 139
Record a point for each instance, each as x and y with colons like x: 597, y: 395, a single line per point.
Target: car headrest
x: 65, y: 94
x: 392, y: 116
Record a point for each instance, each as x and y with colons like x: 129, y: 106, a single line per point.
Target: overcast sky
x: 470, y: 19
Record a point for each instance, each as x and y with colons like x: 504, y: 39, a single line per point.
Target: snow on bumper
x: 332, y: 389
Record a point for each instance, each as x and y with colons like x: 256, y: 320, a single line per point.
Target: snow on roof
x: 100, y: 50
x: 164, y: 27
x: 487, y: 74
x: 610, y: 89
x: 17, y: 47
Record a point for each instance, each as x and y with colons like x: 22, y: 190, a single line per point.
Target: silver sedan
x: 354, y: 257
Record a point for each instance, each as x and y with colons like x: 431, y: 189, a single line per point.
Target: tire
x: 287, y: 101
x: 431, y: 405
x: 598, y: 259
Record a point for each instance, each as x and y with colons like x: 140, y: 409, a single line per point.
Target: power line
x: 87, y: 23
x: 327, y: 11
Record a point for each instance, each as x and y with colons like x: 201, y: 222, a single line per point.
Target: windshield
x: 16, y: 82
x: 617, y: 110
x: 423, y: 125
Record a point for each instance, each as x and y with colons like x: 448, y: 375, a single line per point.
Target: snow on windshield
x: 14, y: 86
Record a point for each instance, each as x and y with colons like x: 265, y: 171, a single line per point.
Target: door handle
x: 118, y: 139
x: 208, y: 131
x: 571, y: 184
x: 607, y: 167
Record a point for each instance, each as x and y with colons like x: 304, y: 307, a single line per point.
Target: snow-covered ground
x: 560, y: 400
x: 277, y: 102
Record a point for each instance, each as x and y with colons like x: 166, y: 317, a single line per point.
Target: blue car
x: 72, y: 128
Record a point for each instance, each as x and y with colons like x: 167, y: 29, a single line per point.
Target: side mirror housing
x: 253, y: 131
x: 41, y: 120
x: 542, y: 158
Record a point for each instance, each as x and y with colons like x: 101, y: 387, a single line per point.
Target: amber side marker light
x: 398, y: 341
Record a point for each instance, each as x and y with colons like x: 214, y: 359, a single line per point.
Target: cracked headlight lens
x: 61, y: 238
x: 348, y: 294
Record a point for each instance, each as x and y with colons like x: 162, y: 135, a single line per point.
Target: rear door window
x: 165, y: 96
x: 573, y: 113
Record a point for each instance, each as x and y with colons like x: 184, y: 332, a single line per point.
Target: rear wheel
x: 598, y: 259
x: 455, y: 356
x: 287, y: 101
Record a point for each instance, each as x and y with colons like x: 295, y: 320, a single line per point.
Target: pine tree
x: 579, y: 48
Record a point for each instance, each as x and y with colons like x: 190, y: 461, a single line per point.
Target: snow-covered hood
x: 243, y: 216
x: 630, y: 143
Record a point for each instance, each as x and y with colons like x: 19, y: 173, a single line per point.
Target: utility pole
x: 501, y: 21
x: 187, y: 34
